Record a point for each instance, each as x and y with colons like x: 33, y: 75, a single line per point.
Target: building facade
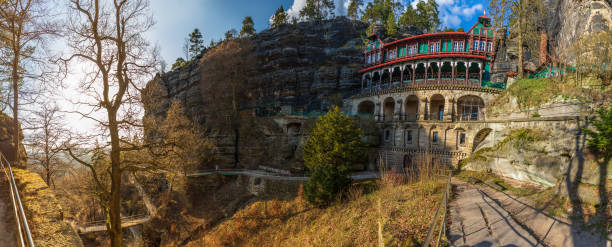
x: 428, y: 93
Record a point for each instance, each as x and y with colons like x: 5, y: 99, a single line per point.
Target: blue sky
x: 176, y: 19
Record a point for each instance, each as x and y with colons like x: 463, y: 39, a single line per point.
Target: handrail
x: 443, y: 206
x: 20, y: 219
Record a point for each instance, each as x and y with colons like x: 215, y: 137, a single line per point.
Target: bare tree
x: 25, y: 25
x: 46, y: 139
x: 106, y: 37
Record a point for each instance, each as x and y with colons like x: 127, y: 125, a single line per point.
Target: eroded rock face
x: 549, y: 161
x: 7, y: 131
x: 572, y: 19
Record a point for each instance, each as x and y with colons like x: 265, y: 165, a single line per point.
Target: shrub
x: 332, y: 148
x: 601, y: 138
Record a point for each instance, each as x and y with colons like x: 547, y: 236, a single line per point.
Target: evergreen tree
x: 460, y: 29
x: 180, y: 62
x: 317, y: 9
x: 248, y: 28
x: 333, y: 147
x: 390, y: 25
x: 354, y: 9
x: 196, y: 43
x: 410, y: 18
x: 231, y: 34
x: 600, y: 139
x: 279, y: 17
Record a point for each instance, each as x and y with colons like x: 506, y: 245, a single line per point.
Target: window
x: 462, y: 139
x: 409, y: 136
x: 435, y: 137
x: 476, y: 45
x: 482, y: 45
x: 455, y: 46
x: 369, y: 58
x: 387, y: 135
x: 461, y: 46
x: 489, y: 46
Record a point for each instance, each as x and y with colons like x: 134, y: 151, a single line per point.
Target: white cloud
x: 294, y: 11
x: 453, y: 12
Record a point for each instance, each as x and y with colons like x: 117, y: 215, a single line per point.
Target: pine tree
x: 600, y: 139
x: 279, y: 17
x: 317, y: 9
x: 354, y: 9
x: 196, y: 43
x: 333, y: 147
x: 390, y: 25
x: 248, y: 28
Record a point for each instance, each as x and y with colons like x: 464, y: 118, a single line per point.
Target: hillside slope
x: 405, y: 212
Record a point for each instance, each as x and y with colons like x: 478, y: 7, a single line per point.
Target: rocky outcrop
x: 572, y: 19
x: 7, y: 147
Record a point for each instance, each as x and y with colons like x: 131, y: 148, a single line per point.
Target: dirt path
x: 7, y: 234
x: 476, y: 220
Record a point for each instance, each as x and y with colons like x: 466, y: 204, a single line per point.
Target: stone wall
x: 43, y: 211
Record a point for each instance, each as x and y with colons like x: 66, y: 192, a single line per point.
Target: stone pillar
x: 439, y: 70
x: 454, y: 111
x: 398, y: 109
x: 448, y: 105
x: 423, y: 113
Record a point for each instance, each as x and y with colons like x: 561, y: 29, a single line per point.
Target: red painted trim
x: 428, y: 35
x: 422, y: 57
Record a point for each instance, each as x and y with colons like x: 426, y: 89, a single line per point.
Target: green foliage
x: 390, y: 25
x: 460, y: 29
x: 332, y: 148
x: 317, y: 9
x: 231, y: 34
x: 601, y: 138
x: 279, y: 17
x: 424, y: 17
x: 354, y: 9
x: 196, y: 43
x: 532, y: 92
x: 180, y: 62
x: 448, y: 29
x: 248, y: 28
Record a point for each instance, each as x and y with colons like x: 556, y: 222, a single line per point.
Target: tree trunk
x: 116, y: 234
x: 15, y: 85
x: 520, y: 39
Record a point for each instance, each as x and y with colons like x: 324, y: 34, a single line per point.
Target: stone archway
x: 479, y: 138
x: 412, y: 107
x: 436, y: 107
x: 389, y: 108
x: 366, y: 108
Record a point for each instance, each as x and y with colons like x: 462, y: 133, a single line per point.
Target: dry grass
x: 396, y: 210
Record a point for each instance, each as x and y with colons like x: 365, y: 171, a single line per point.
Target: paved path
x: 476, y: 220
x: 7, y: 227
x: 550, y: 230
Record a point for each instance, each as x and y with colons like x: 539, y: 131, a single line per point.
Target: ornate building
x: 428, y: 93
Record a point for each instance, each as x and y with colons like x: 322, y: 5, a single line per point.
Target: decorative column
x: 426, y: 67
x: 423, y: 114
x: 413, y: 73
x: 453, y: 65
x: 467, y: 69
x: 398, y: 110
x: 480, y: 76
x: 439, y: 71
x: 402, y: 75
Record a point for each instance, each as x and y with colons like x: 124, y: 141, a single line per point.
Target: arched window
x: 470, y: 108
